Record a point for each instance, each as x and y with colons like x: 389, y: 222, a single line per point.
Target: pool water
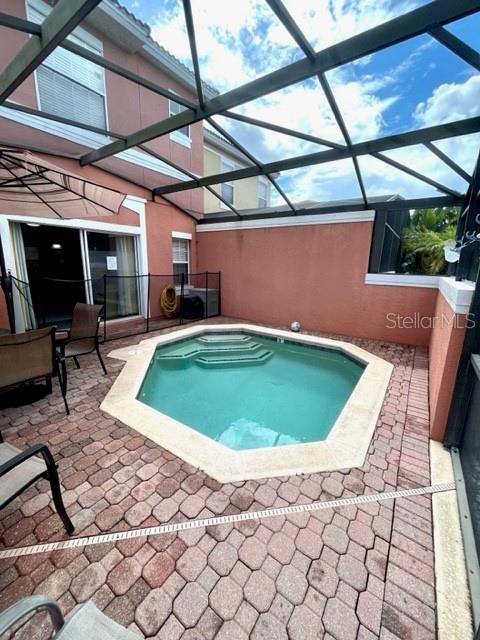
x: 248, y: 391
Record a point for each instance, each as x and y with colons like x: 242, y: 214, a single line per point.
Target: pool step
x: 234, y: 359
x: 188, y: 352
x: 227, y: 338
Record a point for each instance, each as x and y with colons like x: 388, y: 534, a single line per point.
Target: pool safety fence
x: 132, y: 304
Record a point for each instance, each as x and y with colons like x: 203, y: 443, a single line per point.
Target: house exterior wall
x: 129, y: 107
x: 445, y: 347
x: 245, y: 191
x: 314, y: 274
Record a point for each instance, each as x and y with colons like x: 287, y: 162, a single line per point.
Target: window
x: 175, y: 108
x: 262, y: 193
x: 67, y: 84
x: 226, y: 188
x: 180, y: 259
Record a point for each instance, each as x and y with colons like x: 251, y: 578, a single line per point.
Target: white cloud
x: 226, y: 62
x: 221, y: 28
x: 326, y: 23
x: 450, y: 102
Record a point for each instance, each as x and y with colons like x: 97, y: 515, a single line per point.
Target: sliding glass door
x: 58, y: 266
x: 113, y: 273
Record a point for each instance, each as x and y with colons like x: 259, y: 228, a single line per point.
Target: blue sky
x: 413, y: 84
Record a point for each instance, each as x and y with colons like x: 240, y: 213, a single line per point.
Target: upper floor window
x: 227, y: 188
x: 262, y: 193
x: 175, y: 108
x: 67, y: 84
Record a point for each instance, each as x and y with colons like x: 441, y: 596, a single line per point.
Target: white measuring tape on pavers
x: 74, y: 543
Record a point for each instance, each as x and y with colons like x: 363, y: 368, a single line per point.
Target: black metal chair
x: 30, y: 357
x: 20, y: 469
x: 82, y: 337
x: 85, y: 623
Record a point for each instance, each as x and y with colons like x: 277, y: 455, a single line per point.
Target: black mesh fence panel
x: 132, y: 304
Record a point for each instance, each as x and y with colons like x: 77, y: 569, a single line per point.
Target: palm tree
x: 423, y: 241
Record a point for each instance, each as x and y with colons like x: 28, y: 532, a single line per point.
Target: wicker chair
x: 82, y: 338
x: 20, y: 469
x: 29, y: 357
x: 86, y: 623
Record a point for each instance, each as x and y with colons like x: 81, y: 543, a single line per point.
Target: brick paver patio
x: 356, y: 572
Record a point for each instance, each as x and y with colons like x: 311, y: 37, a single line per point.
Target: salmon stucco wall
x: 161, y: 220
x: 445, y: 349
x: 314, y: 274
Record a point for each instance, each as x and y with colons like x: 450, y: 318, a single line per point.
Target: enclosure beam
x: 284, y: 130
x: 252, y: 159
x: 127, y: 74
x: 388, y: 205
x: 448, y: 161
x: 293, y: 29
x: 19, y: 24
x: 14, y: 106
x: 61, y: 21
x: 35, y: 29
x: 371, y: 147
x: 396, y: 30
x: 416, y: 174
x: 456, y: 45
x: 187, y: 9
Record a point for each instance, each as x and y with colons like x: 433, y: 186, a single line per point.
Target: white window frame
x: 79, y: 36
x: 186, y: 238
x: 178, y: 136
x: 264, y: 182
x: 227, y: 165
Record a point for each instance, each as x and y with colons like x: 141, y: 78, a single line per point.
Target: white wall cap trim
x: 182, y: 235
x: 402, y: 280
x: 457, y: 294
x: 291, y: 221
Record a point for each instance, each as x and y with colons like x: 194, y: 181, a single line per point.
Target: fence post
x: 104, y: 307
x: 148, y: 301
x: 7, y: 287
x: 182, y: 283
x: 206, y: 294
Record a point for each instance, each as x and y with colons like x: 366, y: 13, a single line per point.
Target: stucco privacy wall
x: 445, y: 348
x: 314, y: 274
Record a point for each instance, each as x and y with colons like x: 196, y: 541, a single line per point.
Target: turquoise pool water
x: 248, y: 391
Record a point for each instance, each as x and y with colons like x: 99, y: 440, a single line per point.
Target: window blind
x: 180, y: 250
x: 63, y: 97
x: 67, y: 84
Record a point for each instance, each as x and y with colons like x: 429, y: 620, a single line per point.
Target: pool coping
x: 346, y: 445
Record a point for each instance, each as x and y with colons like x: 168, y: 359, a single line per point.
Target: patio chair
x: 20, y: 469
x: 29, y: 357
x: 82, y: 337
x: 86, y: 622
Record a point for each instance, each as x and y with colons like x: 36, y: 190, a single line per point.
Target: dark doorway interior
x: 55, y: 271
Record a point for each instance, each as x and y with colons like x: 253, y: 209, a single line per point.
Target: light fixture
x: 56, y: 246
x: 33, y: 224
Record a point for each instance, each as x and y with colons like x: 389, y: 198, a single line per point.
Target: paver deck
x: 355, y: 572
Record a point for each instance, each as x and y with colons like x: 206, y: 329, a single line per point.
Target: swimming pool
x: 264, y: 403
x: 248, y: 391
